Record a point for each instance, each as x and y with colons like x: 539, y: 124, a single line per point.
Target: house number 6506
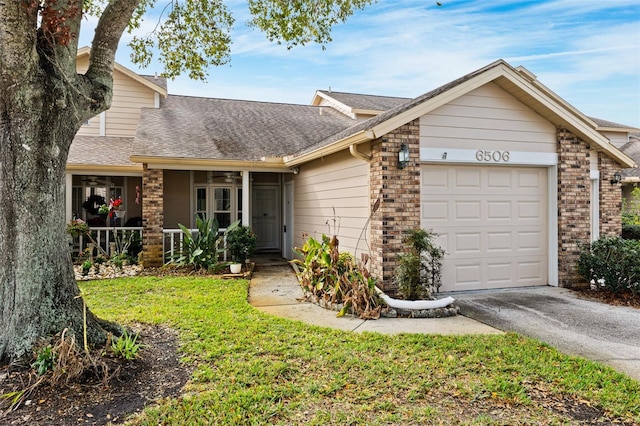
x: 494, y: 156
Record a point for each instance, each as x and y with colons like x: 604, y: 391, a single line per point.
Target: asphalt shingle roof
x: 632, y: 149
x: 192, y: 127
x: 93, y: 150
x: 366, y: 102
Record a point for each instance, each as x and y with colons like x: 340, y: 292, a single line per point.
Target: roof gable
x: 519, y: 82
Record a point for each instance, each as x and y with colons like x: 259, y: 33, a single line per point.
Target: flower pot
x: 235, y: 268
x: 120, y: 213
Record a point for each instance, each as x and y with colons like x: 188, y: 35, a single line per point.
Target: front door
x: 265, y: 218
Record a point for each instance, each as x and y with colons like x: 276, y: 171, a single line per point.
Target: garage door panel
x: 530, y: 241
x: 499, y: 179
x: 530, y: 271
x: 499, y: 242
x: 499, y: 273
x: 469, y: 243
x: 492, y: 224
x: 467, y: 179
x: 435, y: 210
x: 467, y: 210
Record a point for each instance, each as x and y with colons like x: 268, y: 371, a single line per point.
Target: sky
x: 586, y: 51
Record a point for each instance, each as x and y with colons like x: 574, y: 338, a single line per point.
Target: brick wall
x: 574, y: 200
x: 610, y: 198
x: 153, y: 216
x: 399, y: 195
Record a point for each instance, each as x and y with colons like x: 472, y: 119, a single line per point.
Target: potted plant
x: 241, y: 243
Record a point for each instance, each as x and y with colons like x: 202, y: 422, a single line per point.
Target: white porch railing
x: 104, y: 237
x: 172, y: 242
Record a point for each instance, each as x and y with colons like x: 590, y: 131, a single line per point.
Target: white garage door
x: 492, y: 222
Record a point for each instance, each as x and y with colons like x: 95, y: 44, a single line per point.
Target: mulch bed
x: 157, y: 374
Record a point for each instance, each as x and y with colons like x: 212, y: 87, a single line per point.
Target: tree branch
x: 111, y: 25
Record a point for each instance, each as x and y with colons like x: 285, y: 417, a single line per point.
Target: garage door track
x: 594, y: 330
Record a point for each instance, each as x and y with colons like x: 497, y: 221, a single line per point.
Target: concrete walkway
x: 274, y: 289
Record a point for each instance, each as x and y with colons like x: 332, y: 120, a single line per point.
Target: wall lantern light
x: 617, y: 178
x: 403, y: 156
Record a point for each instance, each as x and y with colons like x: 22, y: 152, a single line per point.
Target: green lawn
x: 253, y: 368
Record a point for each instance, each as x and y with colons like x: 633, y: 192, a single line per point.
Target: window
x: 222, y: 206
x: 201, y: 202
x: 224, y: 203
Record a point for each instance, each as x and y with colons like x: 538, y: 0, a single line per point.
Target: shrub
x: 126, y: 346
x: 336, y: 277
x: 612, y: 263
x: 418, y: 274
x: 241, y: 243
x: 203, y: 248
x: 631, y: 208
x: 631, y: 232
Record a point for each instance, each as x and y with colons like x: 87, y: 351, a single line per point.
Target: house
x: 511, y: 177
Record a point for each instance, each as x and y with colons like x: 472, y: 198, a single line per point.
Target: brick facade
x: 399, y: 194
x: 153, y: 216
x: 610, y: 198
x: 574, y: 203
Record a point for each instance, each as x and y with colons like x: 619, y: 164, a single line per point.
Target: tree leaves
x: 298, y: 22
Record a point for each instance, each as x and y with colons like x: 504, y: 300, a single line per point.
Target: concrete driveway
x: 594, y: 330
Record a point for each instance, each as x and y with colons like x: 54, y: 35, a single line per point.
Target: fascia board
x: 573, y: 119
x: 342, y: 144
x: 105, y: 170
x: 267, y: 165
x: 367, y: 111
x: 436, y: 102
x: 331, y: 100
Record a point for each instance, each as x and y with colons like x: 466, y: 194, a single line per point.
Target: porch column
x: 152, y: 216
x: 246, y: 196
x: 68, y: 192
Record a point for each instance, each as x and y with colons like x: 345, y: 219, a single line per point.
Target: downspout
x: 353, y: 149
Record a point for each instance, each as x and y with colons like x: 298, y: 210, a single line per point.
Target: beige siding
x: 617, y: 138
x: 336, y: 187
x: 177, y: 190
x: 129, y: 96
x: 487, y: 118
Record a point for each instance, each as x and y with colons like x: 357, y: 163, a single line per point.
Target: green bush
x: 631, y: 232
x: 241, y: 243
x: 418, y: 274
x: 631, y: 208
x: 612, y: 264
x: 203, y: 248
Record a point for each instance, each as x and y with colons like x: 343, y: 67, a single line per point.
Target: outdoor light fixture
x: 617, y: 178
x: 403, y: 156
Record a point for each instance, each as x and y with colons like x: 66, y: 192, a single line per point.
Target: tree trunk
x: 39, y: 294
x: 43, y: 102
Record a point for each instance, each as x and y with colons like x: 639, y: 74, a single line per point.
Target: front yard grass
x: 253, y: 368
